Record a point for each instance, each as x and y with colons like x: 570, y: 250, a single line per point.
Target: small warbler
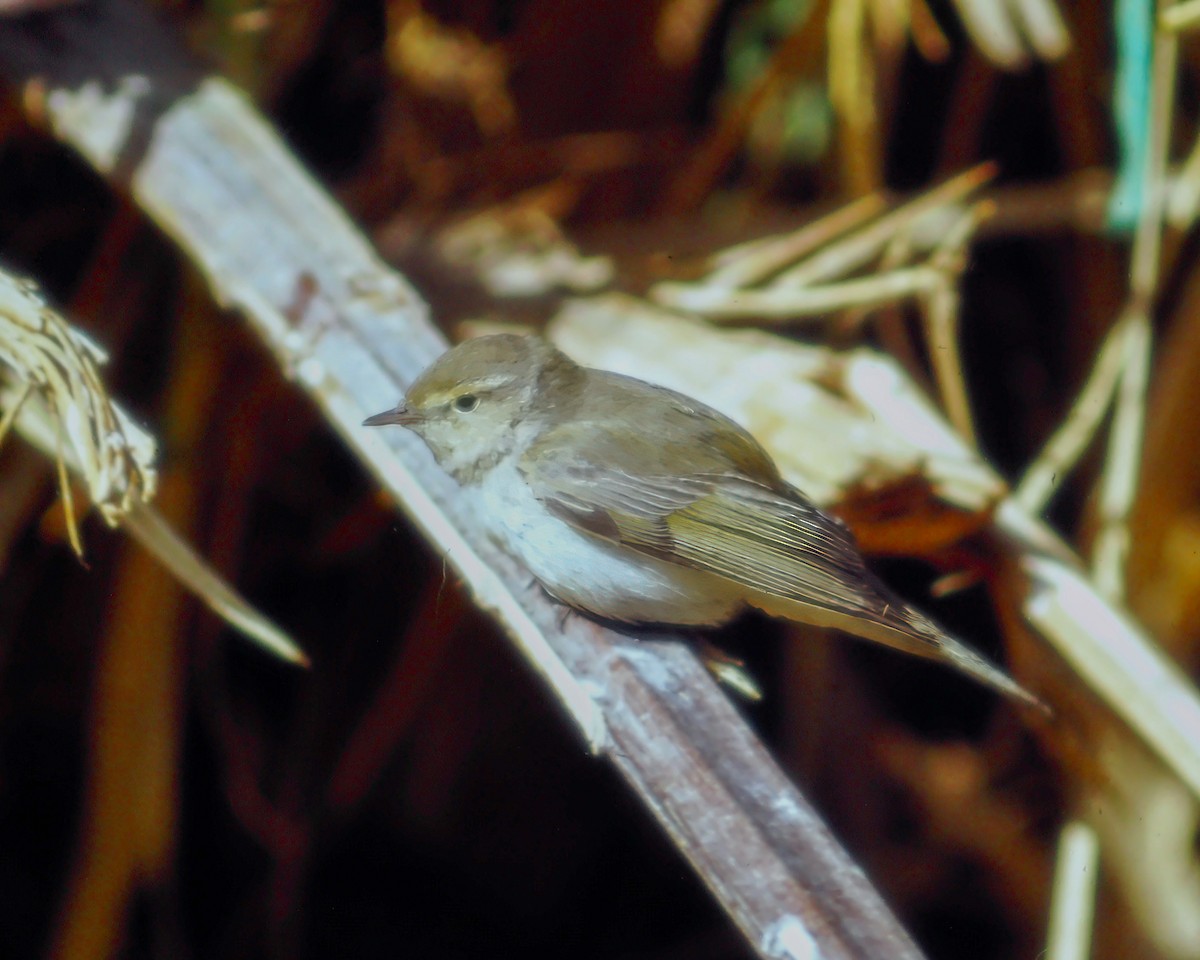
x: 636, y: 503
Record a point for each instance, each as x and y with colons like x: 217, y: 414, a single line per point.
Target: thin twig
x: 994, y: 32
x: 1043, y: 25
x: 1183, y: 198
x: 1113, y: 656
x: 39, y: 428
x: 847, y: 255
x: 12, y: 409
x: 806, y: 288
x: 1180, y: 17
x: 851, y: 83
x: 1073, y: 902
x: 941, y: 309
x: 1118, y: 485
x: 752, y: 263
x: 778, y: 302
x: 151, y: 530
x: 64, y: 490
x: 1050, y: 467
x: 1122, y: 465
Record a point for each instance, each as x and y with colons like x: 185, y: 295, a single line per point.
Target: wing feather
x: 771, y: 541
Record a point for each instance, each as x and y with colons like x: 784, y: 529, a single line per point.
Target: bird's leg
x: 729, y: 671
x: 563, y: 612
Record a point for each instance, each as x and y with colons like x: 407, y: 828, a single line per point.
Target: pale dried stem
x: 151, y: 530
x: 939, y: 309
x: 1146, y: 819
x: 993, y: 31
x: 65, y: 491
x: 1073, y: 902
x: 1043, y: 25
x: 851, y: 81
x: 800, y: 290
x: 1064, y: 448
x: 899, y: 250
x: 1180, y: 17
x: 40, y: 350
x: 1133, y: 677
x: 1183, y: 197
x: 55, y: 398
x: 40, y: 428
x: 783, y: 304
x: 750, y: 263
x: 12, y: 408
x: 855, y: 251
x: 1118, y: 484
x: 941, y: 312
x: 1116, y: 659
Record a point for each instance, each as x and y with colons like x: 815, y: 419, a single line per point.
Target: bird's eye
x: 466, y: 403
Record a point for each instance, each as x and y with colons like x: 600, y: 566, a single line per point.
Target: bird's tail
x: 896, y: 624
x: 912, y: 631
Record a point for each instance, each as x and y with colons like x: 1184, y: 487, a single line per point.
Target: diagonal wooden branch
x: 352, y: 333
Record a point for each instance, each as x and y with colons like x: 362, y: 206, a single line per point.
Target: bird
x: 637, y: 504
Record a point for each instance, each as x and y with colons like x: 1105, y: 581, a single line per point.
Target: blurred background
x: 168, y: 791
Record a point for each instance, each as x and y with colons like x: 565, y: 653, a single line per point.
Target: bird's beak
x: 399, y: 414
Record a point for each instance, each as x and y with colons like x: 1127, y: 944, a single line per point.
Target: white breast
x: 606, y: 579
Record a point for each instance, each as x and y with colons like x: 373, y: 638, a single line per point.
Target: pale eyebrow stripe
x: 478, y: 384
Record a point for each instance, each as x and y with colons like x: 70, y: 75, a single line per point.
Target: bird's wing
x: 723, y: 524
x: 794, y: 561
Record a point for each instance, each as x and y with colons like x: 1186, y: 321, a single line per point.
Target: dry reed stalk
x: 860, y: 35
x: 52, y: 394
x: 1011, y: 34
x: 1073, y: 898
x: 55, y: 366
x: 1131, y: 344
x: 1119, y: 479
x: 818, y: 269
x: 1179, y: 17
x: 1050, y: 468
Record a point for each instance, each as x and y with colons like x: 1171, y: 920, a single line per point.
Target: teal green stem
x: 1131, y: 111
